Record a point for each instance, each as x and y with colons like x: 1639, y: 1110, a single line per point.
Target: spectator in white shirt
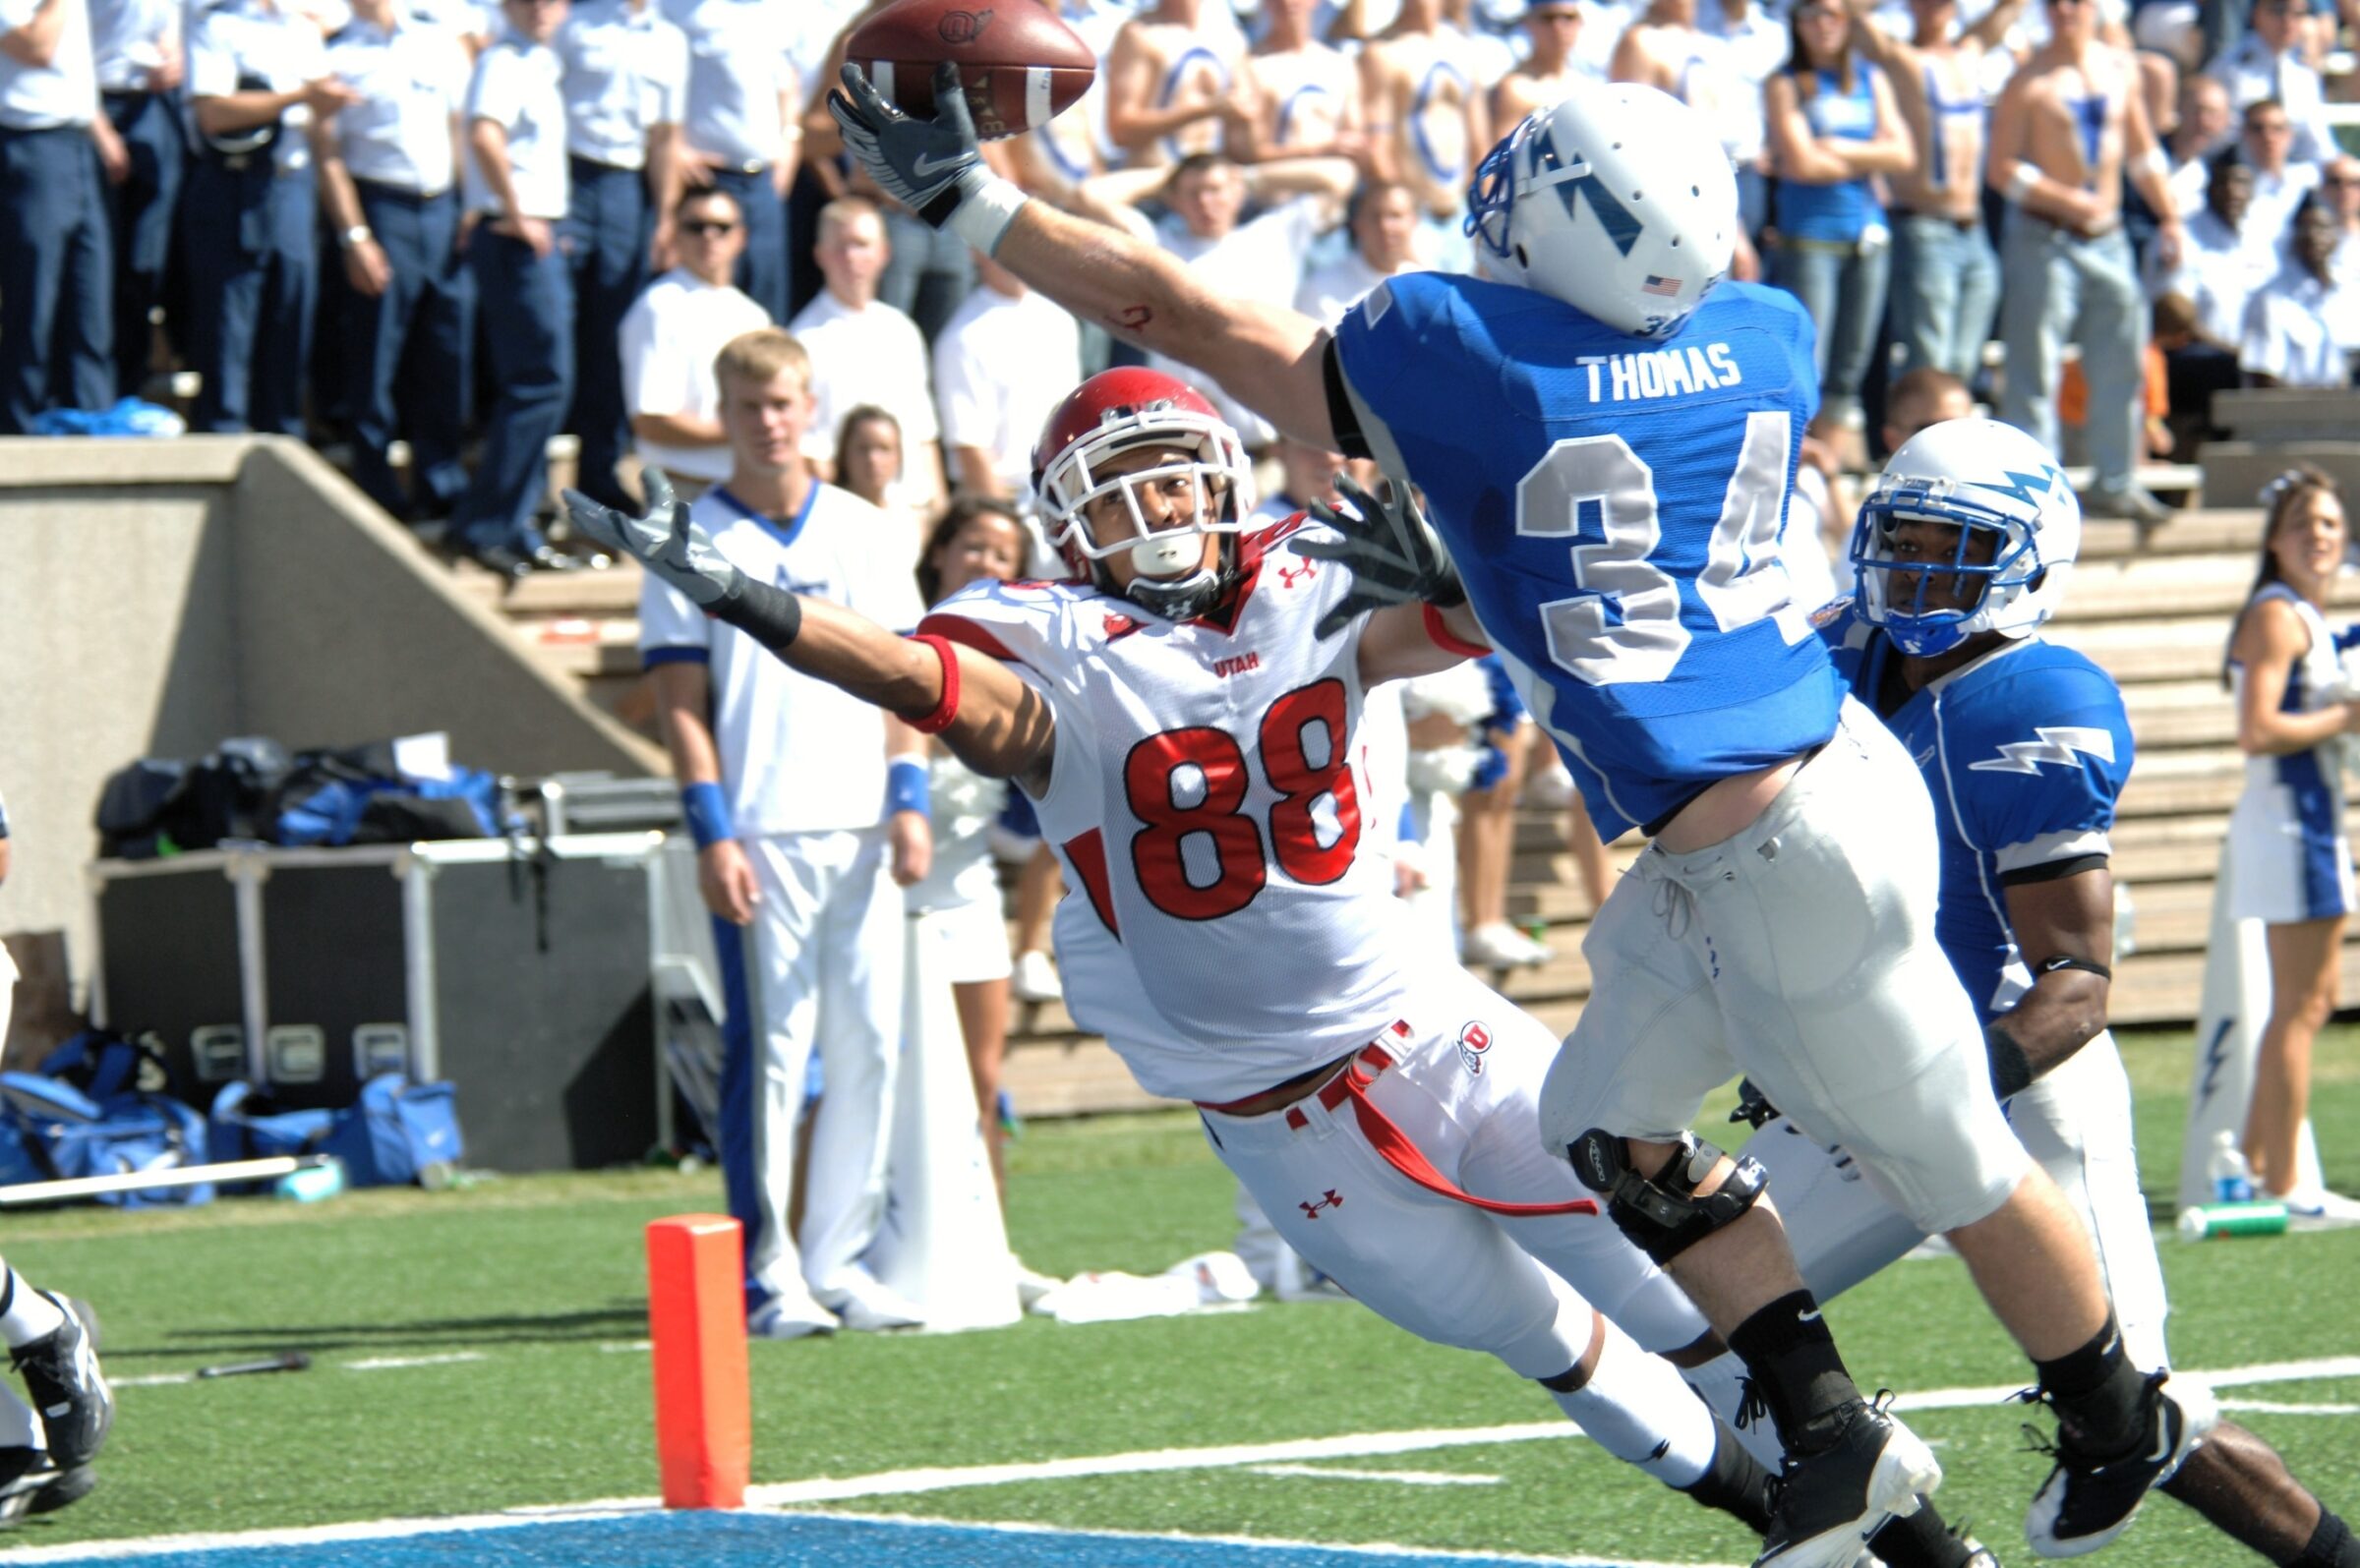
x: 670, y: 335
x: 2267, y: 62
x: 1384, y: 221
x: 2208, y: 125
x: 1005, y: 360
x: 516, y: 193
x: 2280, y: 182
x: 741, y: 126
x: 864, y: 351
x: 2224, y: 259
x: 1258, y: 258
x: 2340, y: 189
x: 2288, y: 339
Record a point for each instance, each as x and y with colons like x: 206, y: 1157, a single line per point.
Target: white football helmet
x: 1991, y: 481
x: 1619, y: 201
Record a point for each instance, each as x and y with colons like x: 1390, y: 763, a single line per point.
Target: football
x: 1019, y: 61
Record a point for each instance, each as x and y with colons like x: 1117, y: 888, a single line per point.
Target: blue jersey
x: 1615, y: 508
x: 2024, y: 752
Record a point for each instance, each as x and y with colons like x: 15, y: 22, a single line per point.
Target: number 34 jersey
x: 1227, y: 922
x: 1615, y: 508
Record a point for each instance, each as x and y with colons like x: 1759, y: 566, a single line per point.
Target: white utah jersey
x: 796, y: 754
x: 1231, y: 920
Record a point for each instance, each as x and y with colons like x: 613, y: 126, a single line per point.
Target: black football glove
x: 926, y: 166
x: 1388, y: 547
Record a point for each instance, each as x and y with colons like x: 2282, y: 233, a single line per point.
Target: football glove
x: 673, y: 545
x: 933, y: 167
x: 1387, y: 546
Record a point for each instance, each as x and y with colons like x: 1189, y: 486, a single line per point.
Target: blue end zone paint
x: 774, y: 1541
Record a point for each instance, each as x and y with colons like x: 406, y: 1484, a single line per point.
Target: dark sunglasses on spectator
x: 2346, y: 181
x: 704, y: 228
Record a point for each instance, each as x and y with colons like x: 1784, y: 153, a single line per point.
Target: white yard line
x: 1398, y: 1478
x: 906, y: 1482
x: 389, y: 1364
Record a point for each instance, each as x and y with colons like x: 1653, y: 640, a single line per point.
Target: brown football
x: 1019, y: 61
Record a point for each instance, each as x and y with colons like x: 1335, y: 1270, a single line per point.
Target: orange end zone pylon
x: 696, y: 1316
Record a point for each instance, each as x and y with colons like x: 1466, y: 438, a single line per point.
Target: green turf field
x: 538, y: 1284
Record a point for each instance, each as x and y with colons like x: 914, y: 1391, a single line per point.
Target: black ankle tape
x: 2331, y: 1547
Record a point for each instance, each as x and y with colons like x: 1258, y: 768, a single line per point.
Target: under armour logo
x: 1333, y: 1200
x: 1289, y: 576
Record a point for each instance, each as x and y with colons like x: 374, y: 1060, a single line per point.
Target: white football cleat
x: 1500, y: 946
x: 790, y: 1318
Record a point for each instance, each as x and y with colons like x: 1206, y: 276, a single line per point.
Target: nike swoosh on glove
x: 1387, y: 546
x: 923, y: 164
x: 665, y: 541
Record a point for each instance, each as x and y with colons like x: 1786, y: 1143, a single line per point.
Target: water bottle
x: 2232, y: 1219
x: 2231, y: 1178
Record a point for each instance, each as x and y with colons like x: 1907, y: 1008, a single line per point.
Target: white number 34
x: 1743, y: 578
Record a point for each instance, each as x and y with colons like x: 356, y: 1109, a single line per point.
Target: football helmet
x: 1619, y: 200
x: 1996, y: 485
x: 1120, y: 411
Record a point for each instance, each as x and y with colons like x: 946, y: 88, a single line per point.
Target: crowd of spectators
x: 360, y: 221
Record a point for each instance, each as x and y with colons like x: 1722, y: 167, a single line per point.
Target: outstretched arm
x: 990, y: 719
x: 1266, y: 357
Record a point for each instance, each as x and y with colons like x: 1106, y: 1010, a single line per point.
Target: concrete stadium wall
x: 157, y: 595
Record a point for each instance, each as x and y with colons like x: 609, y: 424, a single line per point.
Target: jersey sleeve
x: 1031, y: 626
x: 2034, y: 767
x: 1389, y: 349
x: 671, y: 630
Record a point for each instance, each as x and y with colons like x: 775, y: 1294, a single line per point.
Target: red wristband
x: 946, y: 707
x: 1446, y: 640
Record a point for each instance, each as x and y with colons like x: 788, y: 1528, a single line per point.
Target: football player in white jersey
x: 807, y: 807
x: 1184, y: 717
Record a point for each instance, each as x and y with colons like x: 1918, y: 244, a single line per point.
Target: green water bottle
x: 2232, y: 1219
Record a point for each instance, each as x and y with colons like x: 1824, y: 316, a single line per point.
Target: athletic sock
x: 2100, y: 1396
x: 1798, y: 1372
x: 1736, y: 1483
x: 26, y: 1314
x: 19, y: 1428
x: 1922, y: 1541
x: 2332, y: 1545
x: 1636, y: 1408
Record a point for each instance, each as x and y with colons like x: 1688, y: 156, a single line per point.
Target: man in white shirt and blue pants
x: 807, y: 808
x: 626, y: 71
x: 55, y: 265
x: 516, y: 197
x: 388, y: 175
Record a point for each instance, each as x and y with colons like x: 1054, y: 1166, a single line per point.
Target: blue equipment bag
x: 395, y: 1131
x: 61, y: 1134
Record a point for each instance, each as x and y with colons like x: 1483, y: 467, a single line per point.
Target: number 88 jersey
x: 1613, y: 505
x: 1228, y: 923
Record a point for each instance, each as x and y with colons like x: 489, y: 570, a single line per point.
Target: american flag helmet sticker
x: 1662, y: 288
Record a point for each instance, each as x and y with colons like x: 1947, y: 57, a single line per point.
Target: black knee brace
x: 1663, y: 1216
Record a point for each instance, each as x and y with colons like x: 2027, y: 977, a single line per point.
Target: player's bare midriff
x: 1727, y: 806
x: 1279, y: 1096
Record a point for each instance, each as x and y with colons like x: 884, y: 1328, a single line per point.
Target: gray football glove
x: 926, y: 166
x: 665, y: 541
x: 1388, y: 547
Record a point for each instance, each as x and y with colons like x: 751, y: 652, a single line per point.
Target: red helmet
x: 1117, y: 411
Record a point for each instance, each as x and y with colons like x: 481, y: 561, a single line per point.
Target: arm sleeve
x: 212, y: 69
x: 2037, y: 793
x: 665, y: 87
x: 670, y: 628
x: 2262, y: 347
x: 494, y: 94
x: 652, y: 362
x: 1035, y: 627
x: 969, y: 417
x: 916, y: 412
